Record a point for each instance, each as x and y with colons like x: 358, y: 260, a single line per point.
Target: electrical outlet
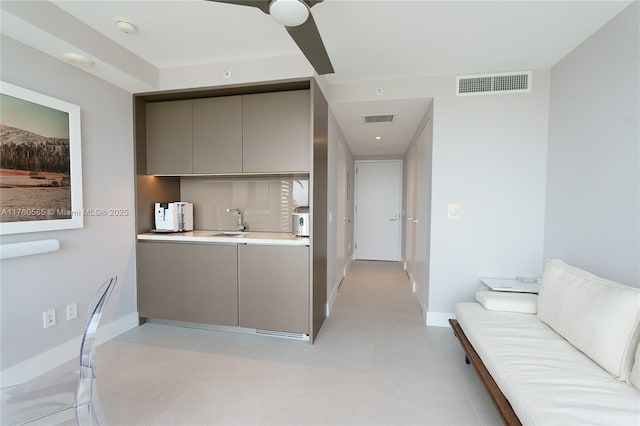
x: 49, y: 318
x: 72, y: 311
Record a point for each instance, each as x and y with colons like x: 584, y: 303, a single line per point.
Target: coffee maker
x: 301, y: 222
x: 174, y: 217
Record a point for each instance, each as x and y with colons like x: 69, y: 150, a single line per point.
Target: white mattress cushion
x: 546, y: 379
x: 599, y: 317
x: 634, y: 377
x: 509, y: 302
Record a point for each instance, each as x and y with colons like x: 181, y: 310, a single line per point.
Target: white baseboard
x: 332, y: 297
x: 424, y: 312
x: 414, y: 286
x: 439, y: 319
x: 334, y: 291
x: 347, y: 266
x: 434, y: 319
x: 54, y: 357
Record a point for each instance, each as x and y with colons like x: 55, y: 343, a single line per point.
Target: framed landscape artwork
x: 40, y: 162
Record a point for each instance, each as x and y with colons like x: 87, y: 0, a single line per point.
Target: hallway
x: 374, y: 363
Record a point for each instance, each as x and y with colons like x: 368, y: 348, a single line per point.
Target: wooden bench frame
x: 509, y: 416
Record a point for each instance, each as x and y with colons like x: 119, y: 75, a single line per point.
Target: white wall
x: 242, y: 72
x: 104, y: 247
x: 489, y: 156
x: 340, y: 209
x: 593, y: 180
x: 417, y: 223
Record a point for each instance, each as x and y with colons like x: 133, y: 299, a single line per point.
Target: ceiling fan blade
x: 309, y: 41
x: 305, y: 35
x: 263, y: 5
x: 312, y: 3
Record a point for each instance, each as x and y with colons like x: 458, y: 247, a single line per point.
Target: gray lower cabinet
x: 273, y: 288
x: 188, y: 282
x: 169, y: 134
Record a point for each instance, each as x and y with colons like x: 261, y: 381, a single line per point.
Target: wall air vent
x: 491, y: 84
x: 383, y: 118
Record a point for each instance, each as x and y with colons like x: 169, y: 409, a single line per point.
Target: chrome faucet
x: 240, y: 226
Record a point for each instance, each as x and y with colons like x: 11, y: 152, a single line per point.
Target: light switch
x: 453, y: 212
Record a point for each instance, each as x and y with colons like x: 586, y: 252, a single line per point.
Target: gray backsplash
x: 267, y: 202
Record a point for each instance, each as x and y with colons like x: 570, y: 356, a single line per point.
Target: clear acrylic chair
x: 51, y: 400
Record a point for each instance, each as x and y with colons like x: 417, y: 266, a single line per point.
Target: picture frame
x: 40, y: 162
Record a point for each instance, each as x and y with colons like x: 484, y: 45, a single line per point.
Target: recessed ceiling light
x: 126, y: 26
x: 78, y: 60
x: 378, y: 138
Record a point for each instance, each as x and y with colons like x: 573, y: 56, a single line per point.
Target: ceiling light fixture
x: 378, y: 138
x: 289, y: 13
x: 78, y: 60
x: 126, y: 26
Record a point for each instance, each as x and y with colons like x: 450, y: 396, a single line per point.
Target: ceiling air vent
x: 384, y: 118
x: 487, y: 84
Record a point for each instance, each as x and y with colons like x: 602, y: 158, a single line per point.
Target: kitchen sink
x: 230, y: 234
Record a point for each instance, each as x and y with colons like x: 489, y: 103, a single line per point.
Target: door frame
x: 400, y: 203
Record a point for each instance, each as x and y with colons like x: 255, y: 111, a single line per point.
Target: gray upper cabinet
x: 217, y: 135
x: 169, y: 135
x: 260, y: 133
x: 276, y: 132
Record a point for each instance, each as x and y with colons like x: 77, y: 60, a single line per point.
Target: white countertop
x: 257, y: 238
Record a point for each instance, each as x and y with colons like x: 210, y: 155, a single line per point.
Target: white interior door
x: 378, y: 210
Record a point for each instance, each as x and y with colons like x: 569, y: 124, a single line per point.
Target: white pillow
x: 509, y: 302
x: 600, y: 318
x: 634, y: 377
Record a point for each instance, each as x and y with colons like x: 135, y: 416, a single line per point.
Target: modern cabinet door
x: 276, y: 132
x: 188, y: 282
x: 217, y: 135
x: 273, y: 288
x: 169, y: 137
x: 160, y: 277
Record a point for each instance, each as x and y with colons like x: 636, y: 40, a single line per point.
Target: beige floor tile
x: 373, y: 363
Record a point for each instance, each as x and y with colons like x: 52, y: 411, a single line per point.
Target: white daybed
x: 574, y: 362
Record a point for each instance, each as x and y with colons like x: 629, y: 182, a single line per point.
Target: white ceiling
x: 377, y: 41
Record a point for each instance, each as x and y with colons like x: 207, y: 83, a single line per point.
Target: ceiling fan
x: 296, y: 16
